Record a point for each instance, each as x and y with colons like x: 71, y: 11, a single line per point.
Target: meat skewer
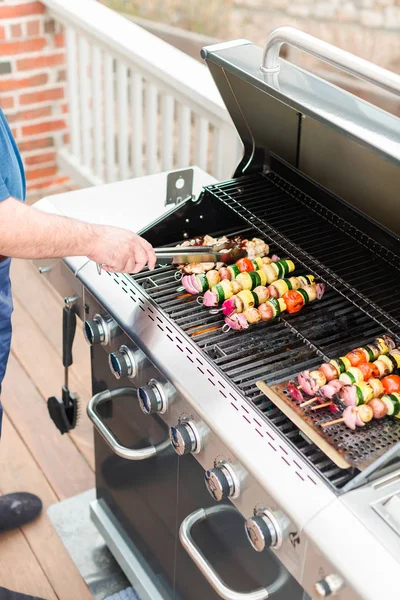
x: 255, y: 248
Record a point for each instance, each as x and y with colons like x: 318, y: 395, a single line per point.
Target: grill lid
x: 339, y: 141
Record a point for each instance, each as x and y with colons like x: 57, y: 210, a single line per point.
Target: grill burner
x: 352, y: 313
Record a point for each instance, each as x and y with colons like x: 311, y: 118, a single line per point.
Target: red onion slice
x: 229, y: 307
x: 320, y: 289
x: 295, y: 393
x: 187, y: 284
x: 233, y: 324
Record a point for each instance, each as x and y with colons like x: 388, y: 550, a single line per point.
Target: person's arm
x: 29, y: 233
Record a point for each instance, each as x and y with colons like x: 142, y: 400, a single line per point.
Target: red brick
x: 65, y: 108
x: 66, y: 138
x: 13, y: 48
x: 41, y: 173
x: 44, y: 96
x: 46, y: 60
x: 36, y: 144
x: 33, y: 28
x: 22, y: 10
x: 16, y: 30
x: 8, y: 85
x: 53, y: 181
x: 59, y: 40
x: 2, y: 33
x: 40, y: 158
x: 62, y: 75
x: 29, y: 115
x: 43, y: 127
x: 7, y: 102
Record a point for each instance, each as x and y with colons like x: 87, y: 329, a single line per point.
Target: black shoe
x: 17, y: 510
x: 8, y: 595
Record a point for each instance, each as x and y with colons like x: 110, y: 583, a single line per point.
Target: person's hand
x: 121, y: 251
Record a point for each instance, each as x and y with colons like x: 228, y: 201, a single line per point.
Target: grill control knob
x: 329, y: 586
x: 151, y: 398
x: 184, y: 438
x: 266, y: 529
x: 97, y: 330
x: 221, y: 482
x: 122, y: 363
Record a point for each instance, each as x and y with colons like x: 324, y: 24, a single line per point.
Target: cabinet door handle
x: 108, y: 435
x: 185, y: 535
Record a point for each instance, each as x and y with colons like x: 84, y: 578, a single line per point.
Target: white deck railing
x: 136, y: 104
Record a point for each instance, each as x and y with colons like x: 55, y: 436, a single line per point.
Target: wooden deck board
x: 19, y: 470
x: 33, y: 455
x: 44, y: 305
x: 58, y: 457
x: 43, y: 365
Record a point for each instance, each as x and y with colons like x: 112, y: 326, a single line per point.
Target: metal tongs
x: 197, y: 254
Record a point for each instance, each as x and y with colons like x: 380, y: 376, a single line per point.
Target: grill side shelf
x: 262, y: 203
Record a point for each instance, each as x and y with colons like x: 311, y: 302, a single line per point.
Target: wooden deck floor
x: 34, y: 457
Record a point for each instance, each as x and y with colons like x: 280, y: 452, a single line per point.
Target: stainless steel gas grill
x: 177, y: 397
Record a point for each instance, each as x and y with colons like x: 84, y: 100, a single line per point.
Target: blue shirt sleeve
x: 4, y: 191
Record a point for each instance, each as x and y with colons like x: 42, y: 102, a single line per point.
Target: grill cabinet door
x: 141, y: 494
x: 223, y: 541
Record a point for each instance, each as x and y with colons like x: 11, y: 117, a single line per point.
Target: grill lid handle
x: 341, y: 59
x: 109, y: 437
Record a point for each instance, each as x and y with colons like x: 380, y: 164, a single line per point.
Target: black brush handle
x: 69, y: 328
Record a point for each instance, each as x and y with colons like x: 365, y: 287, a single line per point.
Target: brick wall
x: 32, y: 88
x: 367, y: 28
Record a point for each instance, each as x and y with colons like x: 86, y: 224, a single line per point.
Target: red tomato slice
x: 391, y: 383
x: 368, y: 370
x: 356, y: 358
x: 294, y: 301
x: 245, y: 264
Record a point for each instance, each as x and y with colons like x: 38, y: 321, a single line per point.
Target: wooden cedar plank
x: 59, y: 459
x: 20, y: 472
x: 303, y: 425
x: 42, y: 363
x: 44, y: 306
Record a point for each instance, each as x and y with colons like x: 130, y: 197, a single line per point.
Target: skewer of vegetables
x: 260, y: 273
x: 377, y: 408
x: 380, y: 395
x: 245, y: 299
x: 292, y: 301
x: 311, y: 381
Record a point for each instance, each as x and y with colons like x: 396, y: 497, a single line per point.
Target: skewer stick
x: 324, y: 405
x: 307, y: 402
x: 334, y: 422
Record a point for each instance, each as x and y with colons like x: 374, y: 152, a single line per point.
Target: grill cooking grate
x: 320, y: 243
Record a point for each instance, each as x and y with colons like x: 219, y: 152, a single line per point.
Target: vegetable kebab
x: 248, y: 296
x: 291, y: 301
x: 248, y: 274
x: 355, y: 366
